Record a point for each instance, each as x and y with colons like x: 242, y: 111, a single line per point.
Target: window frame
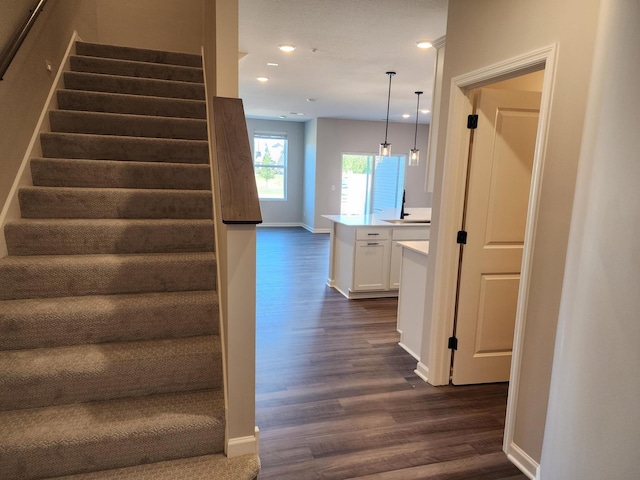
x: 278, y: 136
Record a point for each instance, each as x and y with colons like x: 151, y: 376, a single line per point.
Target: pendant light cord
x: 386, y: 130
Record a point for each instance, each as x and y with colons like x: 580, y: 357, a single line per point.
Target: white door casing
x: 500, y: 167
x: 444, y: 261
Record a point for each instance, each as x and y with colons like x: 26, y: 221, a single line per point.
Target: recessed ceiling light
x: 405, y: 115
x: 425, y: 111
x: 272, y: 64
x: 424, y: 44
x: 311, y: 100
x: 262, y: 79
x: 285, y: 47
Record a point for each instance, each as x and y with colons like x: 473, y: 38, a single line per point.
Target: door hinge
x: 462, y: 237
x: 472, y: 122
x: 453, y: 343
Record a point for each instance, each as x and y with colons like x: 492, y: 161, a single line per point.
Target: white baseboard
x: 280, y: 225
x: 409, y: 351
x: 422, y: 371
x: 523, y: 461
x: 244, y: 445
x: 315, y: 230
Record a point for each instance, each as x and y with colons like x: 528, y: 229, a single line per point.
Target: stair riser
x: 85, y: 203
x: 130, y: 104
x: 78, y: 238
x: 133, y: 86
x: 210, y: 467
x: 138, y: 55
x: 46, y: 323
x: 59, y: 460
x: 69, y: 145
x: 52, y: 279
x: 127, y: 125
x: 38, y: 378
x: 115, y: 174
x: 129, y: 68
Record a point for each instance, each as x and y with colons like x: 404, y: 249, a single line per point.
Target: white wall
x: 173, y: 25
x: 336, y: 136
x: 481, y: 34
x: 592, y: 430
x: 289, y: 211
x: 27, y: 83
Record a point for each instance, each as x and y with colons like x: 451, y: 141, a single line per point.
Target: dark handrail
x: 8, y: 53
x: 237, y: 189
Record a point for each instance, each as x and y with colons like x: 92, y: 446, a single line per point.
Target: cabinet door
x: 371, y: 266
x: 396, y: 261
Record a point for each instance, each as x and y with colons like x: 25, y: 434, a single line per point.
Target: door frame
x: 450, y: 218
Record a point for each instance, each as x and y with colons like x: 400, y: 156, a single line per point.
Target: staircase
x: 110, y: 354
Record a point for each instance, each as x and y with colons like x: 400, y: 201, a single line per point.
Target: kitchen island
x: 411, y: 302
x: 365, y: 251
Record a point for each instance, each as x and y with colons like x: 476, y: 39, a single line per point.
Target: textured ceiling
x: 344, y: 48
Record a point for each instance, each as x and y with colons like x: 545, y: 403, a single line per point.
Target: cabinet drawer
x: 411, y: 233
x: 372, y: 233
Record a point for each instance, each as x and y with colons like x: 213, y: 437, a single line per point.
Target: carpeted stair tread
x: 64, y: 121
x: 97, y: 82
x: 84, y: 236
x: 77, y: 438
x: 119, y: 174
x: 206, y: 467
x: 56, y: 322
x: 70, y: 202
x: 130, y: 68
x: 138, y: 54
x: 116, y: 147
x: 130, y: 104
x: 84, y: 373
x: 46, y: 276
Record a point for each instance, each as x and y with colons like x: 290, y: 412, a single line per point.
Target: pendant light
x: 414, y: 156
x: 385, y: 148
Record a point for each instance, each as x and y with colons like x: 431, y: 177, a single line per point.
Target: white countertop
x: 421, y: 247
x: 416, y: 217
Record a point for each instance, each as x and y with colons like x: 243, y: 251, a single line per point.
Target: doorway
x: 500, y: 162
x: 456, y: 151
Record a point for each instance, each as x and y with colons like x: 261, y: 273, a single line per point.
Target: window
x: 270, y: 165
x: 371, y: 184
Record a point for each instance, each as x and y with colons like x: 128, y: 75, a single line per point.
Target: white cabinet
x: 371, y: 265
x: 371, y: 259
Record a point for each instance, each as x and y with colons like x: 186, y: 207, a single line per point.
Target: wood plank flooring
x: 337, y: 397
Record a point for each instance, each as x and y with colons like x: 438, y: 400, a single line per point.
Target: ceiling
x: 343, y: 49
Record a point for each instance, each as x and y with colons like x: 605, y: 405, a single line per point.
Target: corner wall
x: 504, y: 29
x: 309, y: 187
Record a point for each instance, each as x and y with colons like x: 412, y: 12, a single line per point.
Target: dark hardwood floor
x: 337, y: 397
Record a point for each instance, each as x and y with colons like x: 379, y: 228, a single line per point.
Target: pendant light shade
x: 414, y: 156
x: 385, y: 147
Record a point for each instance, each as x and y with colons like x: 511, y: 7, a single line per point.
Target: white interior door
x: 498, y: 187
